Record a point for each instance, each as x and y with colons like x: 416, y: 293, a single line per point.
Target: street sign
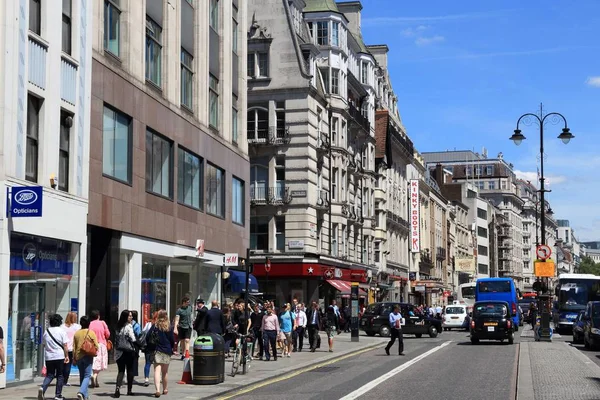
x: 25, y: 201
x: 358, y: 275
x: 231, y: 260
x: 543, y: 252
x: 544, y: 269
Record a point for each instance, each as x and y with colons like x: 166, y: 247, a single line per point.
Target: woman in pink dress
x: 100, y: 328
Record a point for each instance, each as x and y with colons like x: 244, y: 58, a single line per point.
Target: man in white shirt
x: 300, y: 327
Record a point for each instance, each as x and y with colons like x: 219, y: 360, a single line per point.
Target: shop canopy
x: 237, y: 282
x: 345, y: 287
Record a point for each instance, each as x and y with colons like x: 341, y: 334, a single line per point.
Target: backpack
x: 151, y: 338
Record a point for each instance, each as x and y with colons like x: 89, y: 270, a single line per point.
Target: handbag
x: 109, y: 345
x: 88, y: 346
x: 124, y: 343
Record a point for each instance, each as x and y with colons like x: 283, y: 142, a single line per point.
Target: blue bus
x: 573, y: 292
x: 502, y: 289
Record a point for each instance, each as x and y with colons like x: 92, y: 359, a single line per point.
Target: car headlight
x: 595, y: 331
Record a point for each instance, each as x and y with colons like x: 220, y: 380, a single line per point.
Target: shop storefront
x: 43, y: 280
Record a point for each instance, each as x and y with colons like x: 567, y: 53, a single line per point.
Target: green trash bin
x: 209, y: 360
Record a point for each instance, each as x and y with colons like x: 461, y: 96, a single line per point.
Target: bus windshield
x: 494, y: 286
x: 573, y: 294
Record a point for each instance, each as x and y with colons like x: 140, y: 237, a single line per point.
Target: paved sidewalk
x: 259, y: 372
x: 556, y: 370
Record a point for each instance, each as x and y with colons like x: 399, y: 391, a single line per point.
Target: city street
x: 446, y: 367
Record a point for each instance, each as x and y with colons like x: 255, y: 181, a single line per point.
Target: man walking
x: 214, y: 321
x: 314, y: 322
x: 396, y: 322
x: 201, y: 312
x: 300, y: 327
x: 183, y: 329
x: 270, y: 329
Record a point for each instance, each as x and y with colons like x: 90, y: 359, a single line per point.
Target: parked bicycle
x: 242, y: 354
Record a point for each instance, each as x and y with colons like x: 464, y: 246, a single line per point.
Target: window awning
x: 237, y: 282
x: 345, y: 287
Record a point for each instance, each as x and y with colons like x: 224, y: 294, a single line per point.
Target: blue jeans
x: 85, y: 372
x: 54, y: 369
x: 147, y: 365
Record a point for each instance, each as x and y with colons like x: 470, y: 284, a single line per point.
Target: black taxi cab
x: 492, y: 320
x: 375, y: 320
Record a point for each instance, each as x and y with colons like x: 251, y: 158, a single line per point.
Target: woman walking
x: 137, y: 331
x: 229, y: 330
x: 56, y: 354
x: 148, y: 352
x: 161, y: 340
x: 332, y: 324
x: 84, y: 360
x: 70, y: 327
x: 125, y: 352
x: 102, y: 333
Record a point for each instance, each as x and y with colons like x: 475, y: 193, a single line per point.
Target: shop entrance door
x: 25, y: 324
x: 180, y: 286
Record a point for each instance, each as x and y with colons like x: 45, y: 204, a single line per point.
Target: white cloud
x: 425, y: 41
x: 412, y: 32
x: 531, y: 176
x: 593, y: 81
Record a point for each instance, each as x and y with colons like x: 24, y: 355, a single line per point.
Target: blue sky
x: 465, y: 71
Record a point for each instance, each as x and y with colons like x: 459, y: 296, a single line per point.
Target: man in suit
x: 201, y: 312
x: 313, y: 324
x: 214, y: 322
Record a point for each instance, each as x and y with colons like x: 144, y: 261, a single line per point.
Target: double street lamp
x: 541, y: 119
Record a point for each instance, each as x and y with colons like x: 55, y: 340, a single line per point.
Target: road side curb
x: 293, y: 370
x: 524, y: 376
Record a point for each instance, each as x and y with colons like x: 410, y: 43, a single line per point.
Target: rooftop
x: 320, y: 5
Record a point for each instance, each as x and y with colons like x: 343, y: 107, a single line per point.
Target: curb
x: 294, y: 370
x: 524, y: 376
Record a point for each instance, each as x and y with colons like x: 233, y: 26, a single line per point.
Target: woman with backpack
x: 83, y: 355
x: 125, y: 350
x: 161, y: 341
x: 148, y: 352
x: 332, y: 324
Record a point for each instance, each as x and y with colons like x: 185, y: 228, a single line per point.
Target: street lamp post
x: 517, y: 137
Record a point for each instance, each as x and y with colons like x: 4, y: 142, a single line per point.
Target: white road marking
x: 364, y: 389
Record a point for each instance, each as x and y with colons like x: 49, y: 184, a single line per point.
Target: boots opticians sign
x: 30, y: 254
x: 24, y: 201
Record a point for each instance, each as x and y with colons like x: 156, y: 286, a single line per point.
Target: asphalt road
x: 447, y: 367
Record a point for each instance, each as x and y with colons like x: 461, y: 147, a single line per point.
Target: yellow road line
x: 292, y: 374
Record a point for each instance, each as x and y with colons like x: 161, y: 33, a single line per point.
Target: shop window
x: 112, y: 26
x: 215, y: 188
x: 116, y: 145
x: 153, y: 51
x: 154, y: 288
x: 35, y: 16
x: 34, y: 106
x: 190, y: 176
x: 280, y: 233
x: 159, y: 164
x: 66, y: 26
x: 259, y: 233
x: 238, y: 195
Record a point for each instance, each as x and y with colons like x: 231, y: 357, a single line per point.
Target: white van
x: 455, y: 316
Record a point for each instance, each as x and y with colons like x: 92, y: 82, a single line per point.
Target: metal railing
x: 68, y: 80
x: 359, y: 118
x: 38, y: 52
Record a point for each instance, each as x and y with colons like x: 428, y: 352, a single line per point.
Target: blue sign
x: 26, y: 201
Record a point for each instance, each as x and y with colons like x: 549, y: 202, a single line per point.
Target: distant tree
x: 588, y: 266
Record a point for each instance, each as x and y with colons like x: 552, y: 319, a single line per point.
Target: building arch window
x: 258, y: 124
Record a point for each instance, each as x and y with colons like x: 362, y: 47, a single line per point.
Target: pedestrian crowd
x: 86, y: 344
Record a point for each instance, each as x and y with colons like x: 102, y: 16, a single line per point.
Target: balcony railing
x: 38, y: 51
x: 359, y: 118
x: 263, y: 195
x: 68, y: 80
x: 440, y: 253
x: 271, y: 137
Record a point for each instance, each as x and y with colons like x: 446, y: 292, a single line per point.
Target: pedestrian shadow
x: 595, y: 380
x: 486, y: 343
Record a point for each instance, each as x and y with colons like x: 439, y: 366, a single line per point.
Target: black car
x: 591, y: 325
x: 578, y: 328
x: 375, y: 320
x: 492, y: 320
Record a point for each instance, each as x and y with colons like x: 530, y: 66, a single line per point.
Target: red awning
x: 345, y: 287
